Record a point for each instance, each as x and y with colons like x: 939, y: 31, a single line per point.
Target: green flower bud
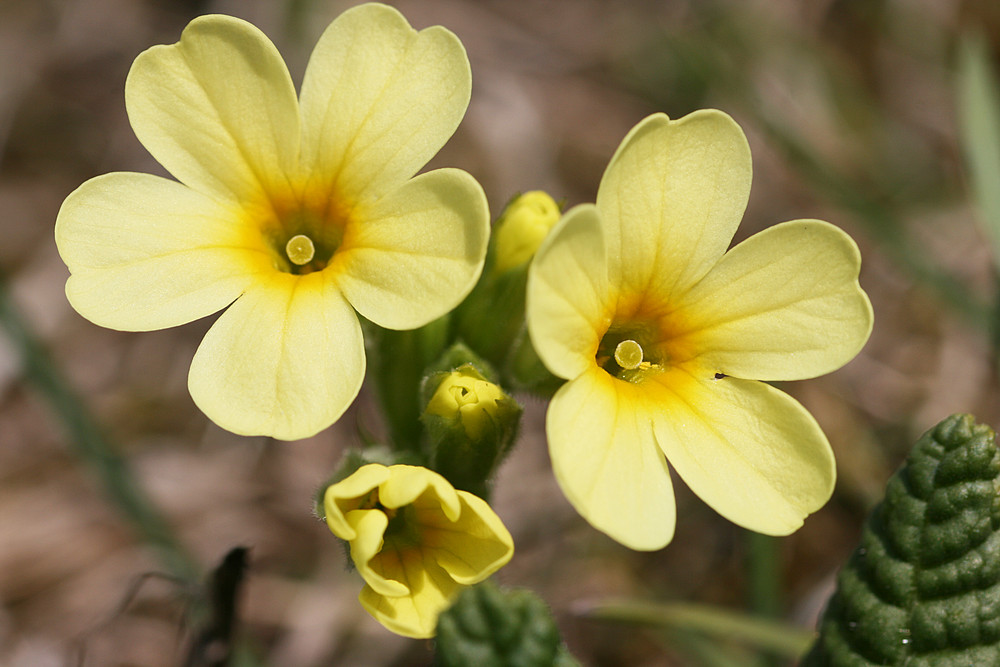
x: 522, y: 227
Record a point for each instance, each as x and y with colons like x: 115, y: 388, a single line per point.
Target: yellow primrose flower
x: 665, y: 337
x: 289, y: 212
x: 415, y: 540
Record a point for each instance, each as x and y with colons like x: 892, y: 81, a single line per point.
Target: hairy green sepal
x: 923, y: 587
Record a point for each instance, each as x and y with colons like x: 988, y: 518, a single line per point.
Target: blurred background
x: 854, y: 115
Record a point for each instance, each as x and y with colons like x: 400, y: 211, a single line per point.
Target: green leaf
x: 488, y: 627
x: 923, y: 587
x: 979, y: 123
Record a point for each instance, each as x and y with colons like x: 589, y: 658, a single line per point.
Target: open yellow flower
x: 415, y: 540
x: 664, y: 338
x: 293, y: 212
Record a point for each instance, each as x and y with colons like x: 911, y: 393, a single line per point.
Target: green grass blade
x: 978, y: 101
x: 763, y: 633
x: 90, y: 444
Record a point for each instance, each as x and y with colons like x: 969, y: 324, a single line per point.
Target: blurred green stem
x: 90, y: 445
x: 763, y: 574
x: 720, y: 624
x: 398, y: 370
x: 763, y: 568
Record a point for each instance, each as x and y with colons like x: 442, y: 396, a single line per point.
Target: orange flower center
x: 631, y: 351
x: 302, y: 231
x: 644, y: 339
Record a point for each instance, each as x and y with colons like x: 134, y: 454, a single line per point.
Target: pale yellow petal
x: 606, y: 460
x: 568, y: 294
x: 379, y: 99
x: 347, y: 495
x: 285, y: 360
x: 217, y: 109
x: 783, y: 305
x: 414, y: 615
x: 409, y: 484
x: 415, y: 254
x: 471, y: 548
x: 749, y: 451
x: 148, y: 253
x: 370, y: 555
x: 672, y: 198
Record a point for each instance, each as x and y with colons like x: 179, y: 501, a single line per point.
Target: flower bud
x: 463, y: 397
x: 471, y: 425
x: 492, y: 316
x: 522, y: 227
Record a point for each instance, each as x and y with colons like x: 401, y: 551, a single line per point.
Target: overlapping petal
x: 148, y: 253
x: 568, y: 293
x: 410, y: 484
x: 368, y: 555
x: 471, y: 547
x: 379, y: 99
x: 672, y: 198
x: 285, y: 360
x: 783, y: 305
x: 346, y: 495
x: 418, y: 251
x: 431, y: 590
x: 750, y: 451
x: 217, y: 109
x: 605, y: 458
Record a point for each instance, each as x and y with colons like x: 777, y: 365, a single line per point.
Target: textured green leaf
x: 923, y: 587
x: 487, y: 627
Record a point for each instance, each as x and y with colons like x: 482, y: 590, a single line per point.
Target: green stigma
x: 628, y: 354
x: 300, y: 250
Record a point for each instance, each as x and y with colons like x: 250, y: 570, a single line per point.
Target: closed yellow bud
x: 467, y: 399
x: 523, y: 226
